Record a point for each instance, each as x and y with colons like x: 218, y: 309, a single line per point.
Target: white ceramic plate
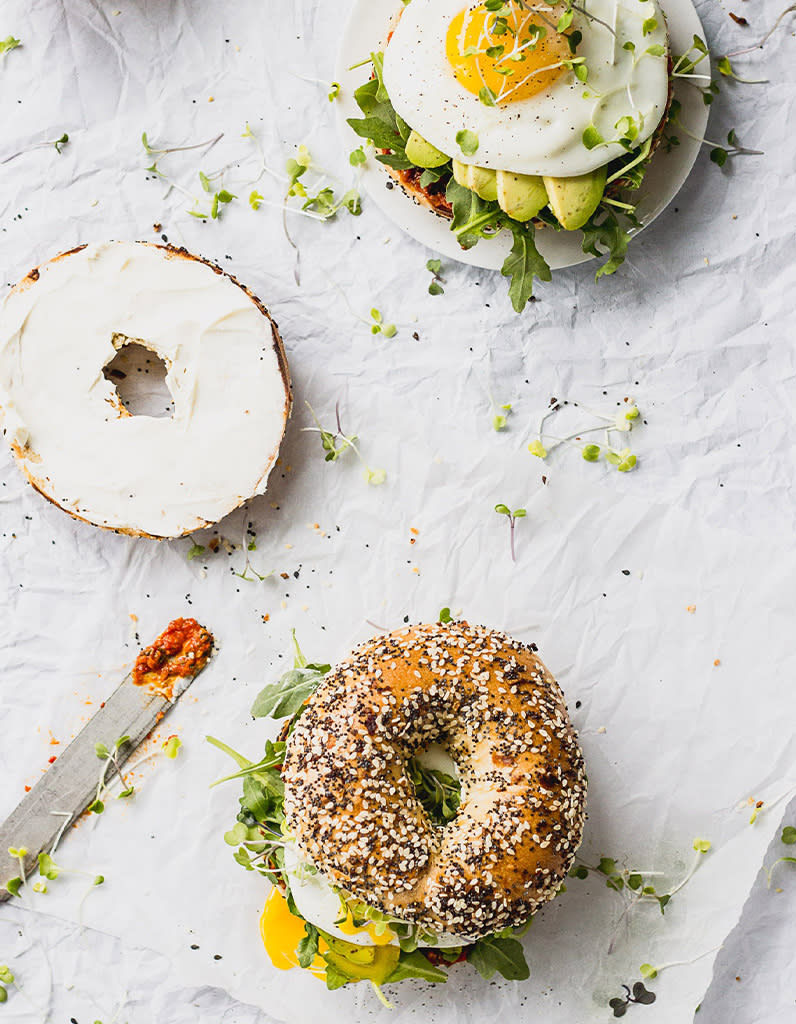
x: 367, y: 27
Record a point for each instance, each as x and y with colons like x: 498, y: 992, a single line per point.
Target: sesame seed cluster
x: 493, y: 705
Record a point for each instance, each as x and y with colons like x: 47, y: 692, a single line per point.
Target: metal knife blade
x: 70, y: 784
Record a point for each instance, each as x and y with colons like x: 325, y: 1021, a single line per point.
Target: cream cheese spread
x: 70, y: 434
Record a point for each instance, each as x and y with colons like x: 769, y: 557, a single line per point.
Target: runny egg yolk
x: 282, y: 931
x: 511, y: 52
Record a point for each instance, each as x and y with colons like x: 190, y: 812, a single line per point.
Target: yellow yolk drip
x: 282, y: 931
x: 530, y: 59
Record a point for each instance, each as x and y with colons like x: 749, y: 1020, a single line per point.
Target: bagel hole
x: 138, y: 375
x: 435, y: 759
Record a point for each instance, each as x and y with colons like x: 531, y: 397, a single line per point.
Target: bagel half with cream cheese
x: 71, y: 435
x: 372, y: 881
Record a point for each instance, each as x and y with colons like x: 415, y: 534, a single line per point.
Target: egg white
x: 541, y: 135
x: 318, y: 903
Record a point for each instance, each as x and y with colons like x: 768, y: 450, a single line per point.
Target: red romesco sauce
x: 181, y: 650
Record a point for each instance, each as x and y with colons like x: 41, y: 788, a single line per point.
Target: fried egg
x: 320, y: 904
x: 519, y: 94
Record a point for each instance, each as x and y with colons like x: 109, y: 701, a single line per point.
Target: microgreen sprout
x: 518, y: 513
x: 435, y: 267
x: 379, y: 327
x: 788, y: 837
x: 622, y: 459
x: 8, y: 44
x: 357, y: 157
x: 338, y: 443
x: 640, y: 994
x: 500, y: 415
x: 58, y: 144
x: 110, y: 755
x: 445, y: 616
x: 759, y: 46
x: 334, y: 92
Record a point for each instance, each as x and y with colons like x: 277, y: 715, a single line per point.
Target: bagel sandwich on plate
x: 423, y: 800
x: 513, y: 116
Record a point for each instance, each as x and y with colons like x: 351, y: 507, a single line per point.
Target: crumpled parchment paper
x: 695, y: 327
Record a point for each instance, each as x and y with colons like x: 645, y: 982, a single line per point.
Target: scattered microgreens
x: 434, y: 267
x: 788, y: 837
x: 518, y: 513
x: 6, y: 978
x: 337, y: 443
x: 48, y: 870
x: 640, y: 994
x: 445, y: 616
x: 334, y: 92
x: 622, y: 459
x: 111, y: 758
x: 637, y: 887
x: 247, y: 544
x: 357, y: 157
x: 8, y: 44
x: 320, y: 201
x: 60, y: 143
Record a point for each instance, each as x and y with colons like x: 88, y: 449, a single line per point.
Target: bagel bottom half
x: 354, y: 811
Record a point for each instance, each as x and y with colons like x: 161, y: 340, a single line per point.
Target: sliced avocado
x: 574, y: 200
x: 422, y: 153
x: 460, y: 172
x: 483, y: 182
x: 521, y: 196
x: 384, y: 962
x: 359, y: 955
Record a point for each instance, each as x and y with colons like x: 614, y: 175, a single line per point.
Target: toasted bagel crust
x: 355, y: 813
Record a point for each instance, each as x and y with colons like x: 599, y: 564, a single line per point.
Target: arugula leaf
x: 279, y: 700
x: 473, y: 217
x: 308, y: 946
x: 493, y: 955
x: 416, y: 965
x: 522, y: 264
x: 603, y: 229
x: 380, y: 132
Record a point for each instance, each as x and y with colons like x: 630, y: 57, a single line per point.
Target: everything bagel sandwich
x: 425, y: 797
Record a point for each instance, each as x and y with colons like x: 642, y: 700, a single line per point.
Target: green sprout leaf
x: 171, y: 746
x: 47, y: 867
x: 648, y: 971
x: 702, y: 845
x: 60, y: 143
x: 591, y: 137
x: 13, y: 885
x: 357, y: 157
x: 788, y: 836
x: 467, y: 141
x: 591, y: 452
x: 195, y: 551
x: 255, y: 198
x: 8, y: 44
x: 446, y: 617
x: 332, y: 95
x: 649, y: 26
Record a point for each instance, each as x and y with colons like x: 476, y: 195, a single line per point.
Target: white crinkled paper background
x: 696, y: 327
